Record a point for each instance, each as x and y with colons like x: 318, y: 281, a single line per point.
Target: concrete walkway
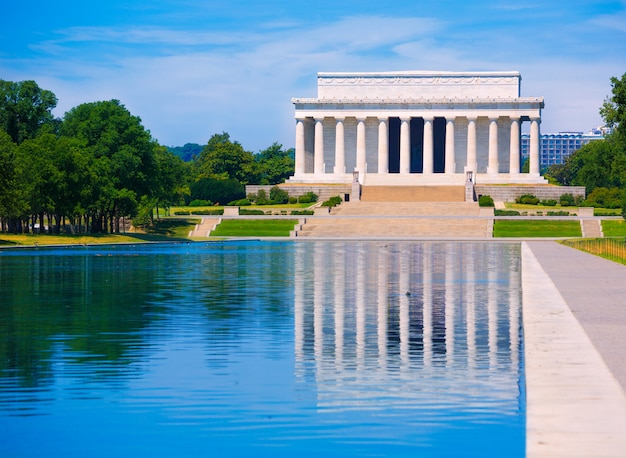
x: 575, y: 348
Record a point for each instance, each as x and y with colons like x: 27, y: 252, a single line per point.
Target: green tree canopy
x: 614, y: 108
x: 224, y: 159
x: 25, y: 109
x: 275, y: 165
x: 600, y: 163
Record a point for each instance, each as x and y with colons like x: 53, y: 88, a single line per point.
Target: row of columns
x: 428, y: 146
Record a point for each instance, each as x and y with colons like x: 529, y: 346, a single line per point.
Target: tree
x: 223, y: 159
x: 12, y: 199
x: 275, y: 164
x: 172, y: 180
x: 216, y: 190
x: 187, y: 152
x: 25, y: 109
x: 123, y: 165
x: 614, y: 108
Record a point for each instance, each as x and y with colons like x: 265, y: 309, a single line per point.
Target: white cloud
x: 193, y: 84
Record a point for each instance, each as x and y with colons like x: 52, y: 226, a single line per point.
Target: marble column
x: 471, y: 146
x: 492, y: 168
x: 300, y: 148
x: 534, y: 146
x: 450, y: 165
x: 318, y: 161
x: 428, y: 149
x: 514, y: 165
x: 405, y: 145
x: 360, y: 148
x: 383, y: 146
x: 340, y: 151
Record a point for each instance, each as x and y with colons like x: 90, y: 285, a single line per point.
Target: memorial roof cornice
x: 418, y: 73
x: 440, y: 102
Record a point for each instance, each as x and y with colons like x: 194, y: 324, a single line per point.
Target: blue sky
x: 192, y: 68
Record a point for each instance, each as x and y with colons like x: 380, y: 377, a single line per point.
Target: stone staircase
x: 591, y: 228
x: 400, y: 219
x: 205, y: 227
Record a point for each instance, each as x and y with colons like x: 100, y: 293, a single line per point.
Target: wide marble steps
x: 399, y: 219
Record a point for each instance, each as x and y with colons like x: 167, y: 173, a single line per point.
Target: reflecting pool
x: 262, y: 349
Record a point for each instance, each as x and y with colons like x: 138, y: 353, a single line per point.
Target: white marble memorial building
x: 416, y: 128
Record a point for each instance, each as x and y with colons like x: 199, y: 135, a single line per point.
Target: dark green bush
x: 485, y: 201
x: 182, y: 212
x: 250, y: 211
x: 279, y: 195
x: 293, y: 200
x: 567, y: 200
x: 207, y: 212
x: 217, y: 190
x: 332, y: 202
x: 527, y: 199
x: 505, y: 213
x: 549, y: 203
x: 302, y: 212
x: 307, y: 198
x: 558, y: 213
x: 200, y: 203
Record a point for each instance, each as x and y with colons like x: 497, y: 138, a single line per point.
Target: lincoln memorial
x: 416, y: 128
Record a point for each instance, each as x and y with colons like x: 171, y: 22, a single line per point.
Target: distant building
x: 556, y: 148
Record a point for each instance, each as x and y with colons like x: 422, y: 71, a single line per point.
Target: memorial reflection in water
x: 429, y: 325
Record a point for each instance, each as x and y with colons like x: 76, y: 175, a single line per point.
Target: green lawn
x: 254, y: 228
x: 614, y: 228
x: 164, y: 230
x: 536, y: 228
x: 68, y: 239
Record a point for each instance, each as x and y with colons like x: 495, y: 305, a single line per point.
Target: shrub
x: 567, y: 200
x: 527, y: 199
x: 485, y: 201
x: 558, y: 213
x: 200, y: 203
x: 505, y: 213
x: 182, y: 212
x: 606, y: 197
x: 278, y: 195
x: 332, y: 202
x: 549, y: 203
x: 261, y: 198
x: 217, y: 190
x: 302, y: 212
x: 293, y: 200
x: 250, y: 211
x: 308, y: 198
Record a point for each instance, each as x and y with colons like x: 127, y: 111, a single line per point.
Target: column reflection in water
x: 409, y: 324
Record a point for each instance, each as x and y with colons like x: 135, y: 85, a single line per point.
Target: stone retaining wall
x: 324, y: 192
x: 510, y: 193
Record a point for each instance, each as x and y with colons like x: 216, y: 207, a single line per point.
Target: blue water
x: 262, y: 349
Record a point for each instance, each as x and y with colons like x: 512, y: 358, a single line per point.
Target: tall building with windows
x: 556, y: 148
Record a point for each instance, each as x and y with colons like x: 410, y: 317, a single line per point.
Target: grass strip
x: 254, y: 228
x: 614, y: 228
x: 613, y: 249
x: 536, y: 228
